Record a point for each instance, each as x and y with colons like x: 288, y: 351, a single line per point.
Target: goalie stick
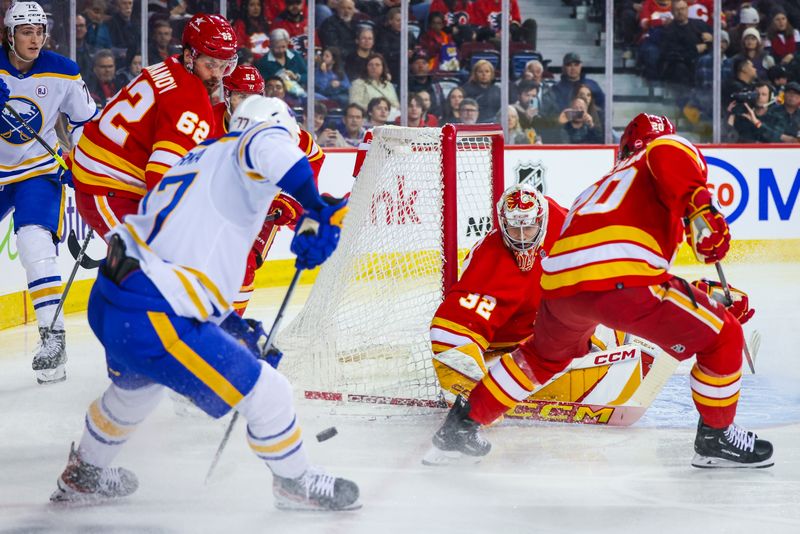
x: 264, y: 351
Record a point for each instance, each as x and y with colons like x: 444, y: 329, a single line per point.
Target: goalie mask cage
x: 423, y: 197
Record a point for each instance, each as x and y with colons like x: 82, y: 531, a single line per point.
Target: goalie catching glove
x: 318, y: 233
x: 706, y: 229
x: 739, y: 308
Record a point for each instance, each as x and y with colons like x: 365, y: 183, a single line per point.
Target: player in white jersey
x: 39, y: 85
x: 171, y: 274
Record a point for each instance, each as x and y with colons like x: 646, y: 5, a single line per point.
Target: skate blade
x: 51, y: 376
x: 710, y: 462
x: 285, y: 503
x: 437, y: 457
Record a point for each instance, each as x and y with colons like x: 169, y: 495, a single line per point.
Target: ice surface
x: 539, y: 478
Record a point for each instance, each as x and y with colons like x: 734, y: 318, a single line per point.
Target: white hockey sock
x: 272, y: 429
x: 37, y: 252
x: 111, y: 419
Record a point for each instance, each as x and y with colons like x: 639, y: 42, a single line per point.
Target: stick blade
x: 75, y: 249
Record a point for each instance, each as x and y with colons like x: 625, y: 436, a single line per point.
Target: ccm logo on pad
x: 615, y: 357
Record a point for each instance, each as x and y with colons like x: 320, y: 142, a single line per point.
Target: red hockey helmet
x: 244, y: 79
x: 211, y: 35
x: 640, y: 131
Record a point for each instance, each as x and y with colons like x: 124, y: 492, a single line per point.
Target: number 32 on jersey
x: 482, y: 304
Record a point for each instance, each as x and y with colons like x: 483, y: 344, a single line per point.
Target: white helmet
x: 21, y: 13
x: 256, y: 109
x: 523, y: 207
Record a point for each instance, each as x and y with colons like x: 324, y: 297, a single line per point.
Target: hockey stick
x: 41, y: 141
x: 728, y: 302
x: 79, y: 253
x: 264, y: 351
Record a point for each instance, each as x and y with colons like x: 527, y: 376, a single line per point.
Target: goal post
x: 423, y: 197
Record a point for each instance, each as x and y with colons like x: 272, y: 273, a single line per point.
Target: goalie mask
x: 522, y: 214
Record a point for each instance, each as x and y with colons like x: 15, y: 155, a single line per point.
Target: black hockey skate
x: 315, y: 490
x: 458, y: 435
x: 50, y: 360
x: 732, y: 447
x: 81, y: 481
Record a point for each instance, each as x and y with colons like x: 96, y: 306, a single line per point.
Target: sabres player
x: 39, y: 85
x: 246, y: 80
x: 171, y: 273
x: 611, y: 265
x: 150, y: 124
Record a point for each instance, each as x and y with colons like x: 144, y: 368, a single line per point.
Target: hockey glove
x: 5, y: 94
x: 286, y: 209
x: 318, y: 233
x: 739, y: 308
x: 706, y: 230
x: 248, y: 332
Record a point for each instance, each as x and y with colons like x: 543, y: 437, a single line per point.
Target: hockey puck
x: 327, y: 434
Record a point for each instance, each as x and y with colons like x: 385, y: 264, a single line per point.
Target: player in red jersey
x: 610, y: 265
x: 150, y: 124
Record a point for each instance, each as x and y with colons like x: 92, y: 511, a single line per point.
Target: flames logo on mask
x: 11, y: 130
x: 520, y: 200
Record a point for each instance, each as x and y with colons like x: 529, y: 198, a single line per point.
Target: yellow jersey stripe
x: 172, y: 147
x: 455, y: 327
x: 498, y: 393
x: 715, y: 403
x: 36, y: 172
x: 281, y: 445
x: 677, y: 144
x: 206, y: 281
x: 156, y: 167
x: 89, y: 178
x: 193, y: 362
x: 516, y: 373
x: 192, y: 294
x: 105, y: 211
x: 105, y: 157
x: 715, y: 380
x: 606, y: 235
x: 600, y: 271
x: 36, y: 159
x: 706, y: 316
x: 60, y: 229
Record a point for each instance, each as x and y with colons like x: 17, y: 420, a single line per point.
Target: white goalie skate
x: 315, y: 490
x: 49, y: 363
x: 82, y: 482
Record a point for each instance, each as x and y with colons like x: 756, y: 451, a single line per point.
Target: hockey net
x: 423, y: 197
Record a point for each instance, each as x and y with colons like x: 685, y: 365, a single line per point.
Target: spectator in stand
x: 275, y: 86
x: 428, y: 118
x: 132, y: 68
x: 778, y: 78
x: 753, y: 50
x: 352, y: 126
x: 743, y: 82
x: 527, y: 103
x: 101, y: 84
x: 701, y: 10
x: 558, y: 96
x: 683, y: 41
x: 161, y: 43
x: 580, y: 128
x: 374, y: 82
x: 516, y: 135
x: 330, y: 79
x: 123, y: 28
x: 357, y: 60
x: 786, y: 117
x: 748, y: 18
x: 378, y: 111
x: 481, y: 87
x: 96, y: 14
x: 468, y: 111
x: 84, y: 52
x: 284, y: 63
x: 626, y: 17
x: 252, y: 28
x: 782, y: 38
x: 435, y: 38
x: 654, y: 16
x: 387, y: 41
x: 751, y: 120
x: 457, y: 13
x: 245, y: 56
x: 422, y: 80
x: 339, y: 30
x: 488, y: 15
x: 416, y: 112
x: 597, y: 114
x: 293, y: 19
x: 450, y: 112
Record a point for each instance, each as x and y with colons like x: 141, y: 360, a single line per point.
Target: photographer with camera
x: 750, y: 117
x: 744, y: 79
x: 786, y: 117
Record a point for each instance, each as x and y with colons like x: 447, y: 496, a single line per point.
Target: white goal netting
x: 364, y: 327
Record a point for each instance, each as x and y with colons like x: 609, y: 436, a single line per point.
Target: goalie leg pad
x: 272, y: 429
x: 111, y: 419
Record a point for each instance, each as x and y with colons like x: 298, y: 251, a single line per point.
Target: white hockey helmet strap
x: 257, y: 109
x: 522, y: 206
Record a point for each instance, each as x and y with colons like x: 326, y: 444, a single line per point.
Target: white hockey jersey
x: 53, y: 85
x: 194, y: 230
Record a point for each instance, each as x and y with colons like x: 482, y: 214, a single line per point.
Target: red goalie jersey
x: 494, y: 303
x: 150, y: 124
x: 625, y: 229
